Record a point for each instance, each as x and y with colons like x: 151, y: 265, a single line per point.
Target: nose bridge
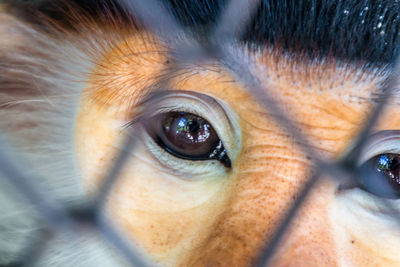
x: 309, y: 241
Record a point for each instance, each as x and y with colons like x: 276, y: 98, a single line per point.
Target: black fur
x: 366, y: 30
x: 352, y: 30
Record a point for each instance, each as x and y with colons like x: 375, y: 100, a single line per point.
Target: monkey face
x: 213, y: 171
x: 187, y: 209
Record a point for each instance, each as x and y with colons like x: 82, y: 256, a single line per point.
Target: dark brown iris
x: 382, y: 175
x: 188, y: 136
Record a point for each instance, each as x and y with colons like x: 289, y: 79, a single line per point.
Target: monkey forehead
x: 346, y: 80
x: 142, y: 62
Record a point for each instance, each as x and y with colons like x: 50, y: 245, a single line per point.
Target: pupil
x: 188, y: 131
x: 194, y: 126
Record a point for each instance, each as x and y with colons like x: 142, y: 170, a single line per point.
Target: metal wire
x: 231, y: 24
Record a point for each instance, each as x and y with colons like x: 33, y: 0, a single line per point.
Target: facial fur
x: 70, y: 92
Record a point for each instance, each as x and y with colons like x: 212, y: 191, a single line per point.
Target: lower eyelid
x: 181, y: 168
x: 370, y: 203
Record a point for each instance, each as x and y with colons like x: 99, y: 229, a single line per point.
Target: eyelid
x: 214, y: 111
x: 382, y: 142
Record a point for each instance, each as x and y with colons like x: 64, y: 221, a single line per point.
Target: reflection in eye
x: 187, y: 136
x: 381, y: 175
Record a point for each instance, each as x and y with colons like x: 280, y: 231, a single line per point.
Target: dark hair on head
x: 357, y: 30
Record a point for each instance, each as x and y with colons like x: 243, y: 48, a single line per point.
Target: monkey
x: 212, y: 172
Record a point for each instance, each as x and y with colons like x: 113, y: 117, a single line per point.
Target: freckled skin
x: 225, y: 221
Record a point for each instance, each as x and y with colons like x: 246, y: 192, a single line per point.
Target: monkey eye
x: 380, y: 175
x: 187, y: 136
x: 379, y: 165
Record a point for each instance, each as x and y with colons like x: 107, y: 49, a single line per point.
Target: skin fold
x: 200, y: 213
x: 225, y: 220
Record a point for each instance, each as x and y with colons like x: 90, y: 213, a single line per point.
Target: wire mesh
x: 232, y: 22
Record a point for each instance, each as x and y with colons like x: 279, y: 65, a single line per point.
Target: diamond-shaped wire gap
x: 160, y: 21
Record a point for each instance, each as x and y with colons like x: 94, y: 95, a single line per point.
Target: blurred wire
x: 231, y: 25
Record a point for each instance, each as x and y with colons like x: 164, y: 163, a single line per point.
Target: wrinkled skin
x: 223, y: 219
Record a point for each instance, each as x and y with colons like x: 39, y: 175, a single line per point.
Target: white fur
x: 41, y: 82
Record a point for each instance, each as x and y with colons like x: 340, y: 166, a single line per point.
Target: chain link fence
x: 73, y: 222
